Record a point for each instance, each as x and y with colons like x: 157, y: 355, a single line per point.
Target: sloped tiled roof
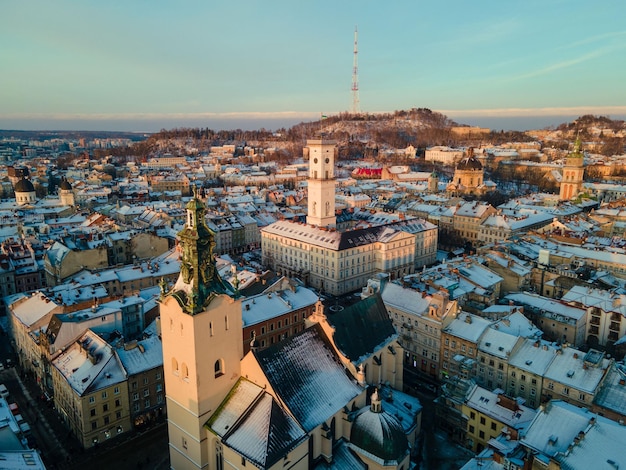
x: 362, y: 328
x: 253, y: 424
x: 308, y: 377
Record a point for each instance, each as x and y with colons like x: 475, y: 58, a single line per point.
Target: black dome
x: 24, y: 186
x: 380, y: 434
x: 65, y: 185
x: 469, y: 163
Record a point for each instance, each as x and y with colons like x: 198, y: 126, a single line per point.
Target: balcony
x: 614, y: 326
x: 595, y: 320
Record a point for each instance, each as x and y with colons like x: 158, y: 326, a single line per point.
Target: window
x: 184, y: 443
x: 135, y: 396
x: 472, y: 415
x: 581, y: 396
x: 481, y: 434
x: 92, y: 399
x: 185, y: 371
x: 146, y: 392
x: 92, y: 412
x: 105, y: 407
x: 513, y: 374
x: 471, y: 429
x: 159, y: 387
x: 104, y: 394
x: 158, y: 376
x: 533, y: 392
x: 550, y: 385
x: 145, y: 380
x: 565, y: 391
x: 106, y: 420
x: 118, y: 402
x: 94, y: 425
x: 146, y: 403
x: 136, y: 406
x: 482, y: 420
x: 523, y: 378
x: 493, y: 426
x: 116, y: 390
x: 118, y: 415
x: 219, y: 368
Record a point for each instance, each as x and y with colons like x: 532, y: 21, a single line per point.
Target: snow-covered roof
x: 29, y: 310
x: 574, y: 369
x: 89, y: 364
x: 489, y: 403
x: 308, y: 377
x: 547, y: 305
x: 576, y: 438
x: 255, y: 426
x: 141, y: 356
x: 468, y: 327
x: 262, y: 307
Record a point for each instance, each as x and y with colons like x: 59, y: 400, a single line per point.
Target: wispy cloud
x: 164, y: 116
x: 563, y: 64
x: 531, y: 112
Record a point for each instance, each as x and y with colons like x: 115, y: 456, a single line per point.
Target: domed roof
x: 24, y: 186
x: 469, y: 163
x: 65, y: 185
x: 379, y: 433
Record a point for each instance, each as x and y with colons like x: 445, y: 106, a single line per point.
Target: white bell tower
x: 321, y: 183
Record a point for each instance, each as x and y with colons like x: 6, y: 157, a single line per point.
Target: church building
x: 322, y: 397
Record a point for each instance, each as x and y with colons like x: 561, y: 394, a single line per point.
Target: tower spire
x: 355, y: 75
x: 199, y: 282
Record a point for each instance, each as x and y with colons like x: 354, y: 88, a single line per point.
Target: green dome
x: 380, y: 434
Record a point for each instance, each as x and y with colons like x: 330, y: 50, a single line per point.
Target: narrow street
x: 60, y: 450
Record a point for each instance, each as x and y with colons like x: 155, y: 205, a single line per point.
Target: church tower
x: 573, y: 173
x: 66, y: 195
x: 321, y: 183
x: 433, y: 182
x: 201, y: 331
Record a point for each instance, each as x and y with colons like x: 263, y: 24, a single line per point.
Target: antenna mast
x: 355, y: 75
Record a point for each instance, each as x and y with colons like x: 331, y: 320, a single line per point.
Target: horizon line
x: 481, y: 112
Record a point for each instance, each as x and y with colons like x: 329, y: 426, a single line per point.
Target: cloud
x: 163, y: 116
x: 532, y: 112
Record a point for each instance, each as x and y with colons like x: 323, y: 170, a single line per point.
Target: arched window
x: 226, y: 322
x: 210, y: 328
x: 174, y: 366
x: 219, y: 368
x: 185, y: 371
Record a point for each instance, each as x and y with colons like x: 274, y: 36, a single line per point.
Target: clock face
x: 327, y: 160
x: 315, y: 160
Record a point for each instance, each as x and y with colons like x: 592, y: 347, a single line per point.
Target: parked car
x: 25, y: 428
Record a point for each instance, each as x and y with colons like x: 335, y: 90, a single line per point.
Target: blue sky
x: 150, y: 64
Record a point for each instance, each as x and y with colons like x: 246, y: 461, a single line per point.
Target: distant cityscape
x: 392, y: 291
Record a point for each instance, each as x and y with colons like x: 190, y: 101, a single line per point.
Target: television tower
x: 355, y: 75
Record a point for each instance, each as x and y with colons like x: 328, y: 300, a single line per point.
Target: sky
x: 144, y: 65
